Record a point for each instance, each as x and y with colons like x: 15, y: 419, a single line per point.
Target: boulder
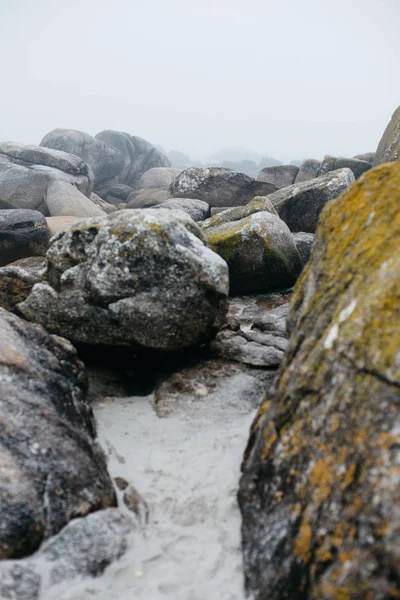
x: 389, y: 146
x: 140, y: 278
x: 52, y: 469
x: 308, y: 170
x: 304, y: 243
x: 105, y: 206
x: 158, y: 177
x: 299, y: 205
x: 367, y: 156
x: 119, y: 191
x: 320, y: 495
x: 258, y: 204
x: 38, y: 178
x: 215, y: 210
x: 260, y: 253
x: 139, y: 155
x: 147, y: 198
x: 65, y: 200
x: 218, y: 187
x: 18, y: 278
x: 105, y: 161
x: 357, y: 166
x: 23, y: 233
x: 196, y: 209
x: 57, y: 224
x: 281, y: 176
x: 84, y: 548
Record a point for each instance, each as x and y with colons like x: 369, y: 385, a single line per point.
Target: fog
x: 291, y: 79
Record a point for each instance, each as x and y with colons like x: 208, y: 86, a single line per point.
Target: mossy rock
x: 260, y: 252
x: 320, y: 494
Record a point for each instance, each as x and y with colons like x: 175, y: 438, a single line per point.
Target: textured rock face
x: 218, y: 187
x: 18, y: 278
x: 84, y: 548
x: 23, y: 233
x: 300, y: 205
x: 260, y: 253
x: 258, y: 204
x: 304, y: 243
x: 143, y: 278
x: 139, y: 155
x: 331, y: 163
x: 53, y: 182
x: 51, y: 467
x: 320, y: 494
x: 158, y: 177
x: 281, y: 176
x: 308, y: 170
x: 389, y: 146
x: 196, y: 209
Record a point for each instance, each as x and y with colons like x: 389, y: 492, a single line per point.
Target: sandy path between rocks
x: 187, y: 469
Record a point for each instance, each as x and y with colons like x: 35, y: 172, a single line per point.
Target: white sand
x: 187, y: 469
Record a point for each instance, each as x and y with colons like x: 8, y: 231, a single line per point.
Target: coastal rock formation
x: 23, y: 233
x: 320, y: 494
x: 143, y: 278
x: 389, y: 146
x: 218, y: 187
x: 259, y: 250
x: 52, y: 469
x: 281, y: 176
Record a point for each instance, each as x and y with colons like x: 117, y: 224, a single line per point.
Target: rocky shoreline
x: 217, y: 294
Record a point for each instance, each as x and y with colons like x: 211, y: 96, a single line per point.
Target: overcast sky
x: 288, y: 78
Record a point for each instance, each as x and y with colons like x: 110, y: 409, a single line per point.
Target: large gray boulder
x: 218, y: 187
x: 300, y: 205
x: 281, y: 176
x: 331, y: 163
x: 105, y: 161
x: 50, y: 181
x: 147, y: 197
x: 389, y: 146
x: 260, y: 253
x: 308, y: 170
x: 23, y: 233
x: 196, y: 209
x: 158, y: 177
x: 139, y: 155
x: 137, y: 277
x: 236, y: 213
x: 51, y: 467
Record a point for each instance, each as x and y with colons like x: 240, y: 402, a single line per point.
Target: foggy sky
x: 288, y: 78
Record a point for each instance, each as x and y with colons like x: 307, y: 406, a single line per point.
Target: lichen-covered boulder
x: 18, y: 278
x: 104, y: 160
x: 23, y: 233
x: 236, y: 213
x: 300, y: 205
x: 320, y: 493
x: 137, y: 277
x: 356, y: 165
x: 260, y: 253
x: 218, y: 187
x: 51, y: 467
x: 281, y: 176
x: 389, y: 146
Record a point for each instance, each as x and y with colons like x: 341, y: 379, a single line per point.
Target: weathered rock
x: 196, y: 209
x: 147, y: 198
x: 281, y: 176
x: 158, y: 177
x: 103, y: 204
x: 259, y: 250
x: 255, y: 330
x: 38, y: 178
x: 299, y: 205
x: 308, y: 170
x: 367, y: 156
x: 142, y: 278
x: 218, y: 187
x: 357, y: 166
x: 226, y: 385
x: 23, y: 233
x: 52, y: 469
x: 389, y: 146
x: 105, y: 161
x: 120, y: 191
x: 215, y: 210
x: 320, y: 494
x: 18, y: 278
x: 258, y: 204
x: 304, y: 243
x: 84, y: 548
x: 139, y: 155
x: 65, y: 200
